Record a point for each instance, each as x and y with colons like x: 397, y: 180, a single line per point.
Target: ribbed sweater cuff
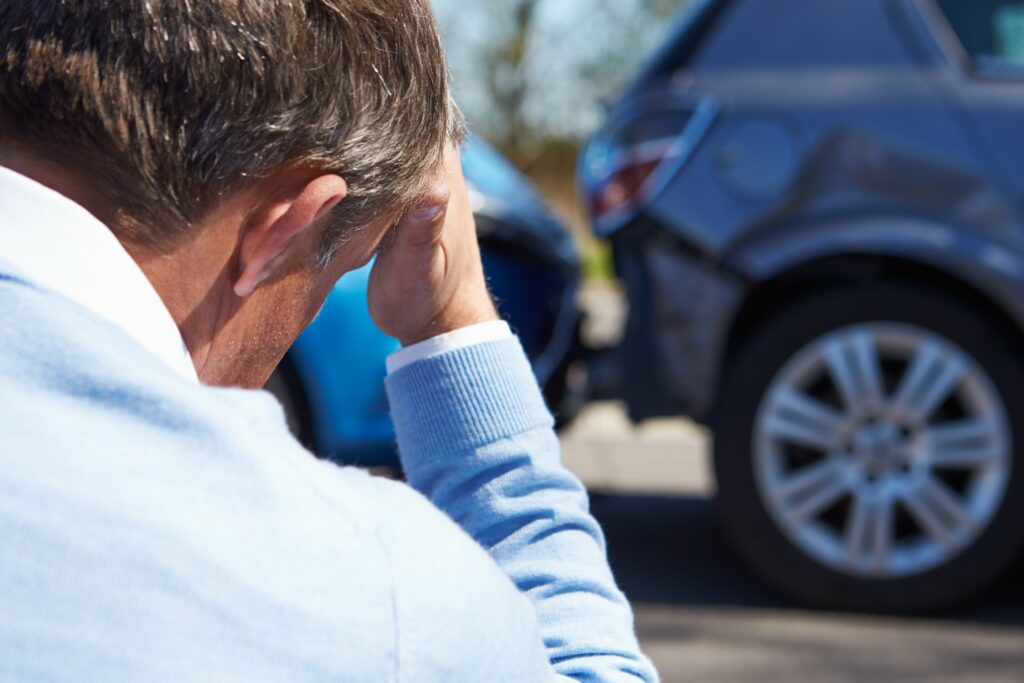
x: 461, y: 400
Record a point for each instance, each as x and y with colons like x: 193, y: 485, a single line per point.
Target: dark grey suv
x: 818, y: 209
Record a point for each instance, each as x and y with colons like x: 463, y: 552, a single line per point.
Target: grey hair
x: 168, y: 106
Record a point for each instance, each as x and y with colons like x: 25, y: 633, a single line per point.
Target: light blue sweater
x: 156, y: 530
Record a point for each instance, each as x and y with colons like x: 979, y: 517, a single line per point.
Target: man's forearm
x: 476, y: 438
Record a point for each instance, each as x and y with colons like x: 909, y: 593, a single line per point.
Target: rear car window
x: 991, y: 31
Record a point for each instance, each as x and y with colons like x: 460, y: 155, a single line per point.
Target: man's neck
x: 180, y: 277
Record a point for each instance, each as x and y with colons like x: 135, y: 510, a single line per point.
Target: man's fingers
x: 423, y: 225
x: 428, y: 278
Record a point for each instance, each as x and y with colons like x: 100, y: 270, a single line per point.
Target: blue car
x: 331, y: 382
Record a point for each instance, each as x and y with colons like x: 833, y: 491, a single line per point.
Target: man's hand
x: 428, y: 279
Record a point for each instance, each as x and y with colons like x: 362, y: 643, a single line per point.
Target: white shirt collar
x: 58, y: 245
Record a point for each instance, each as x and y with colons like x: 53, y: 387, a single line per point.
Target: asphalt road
x: 702, y: 616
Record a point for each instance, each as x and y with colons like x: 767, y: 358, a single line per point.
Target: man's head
x: 241, y: 141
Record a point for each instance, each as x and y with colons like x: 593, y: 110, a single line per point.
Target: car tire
x: 892, y: 544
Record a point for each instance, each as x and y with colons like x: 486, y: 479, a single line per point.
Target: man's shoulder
x: 80, y: 393
x: 82, y: 398
x: 46, y: 336
x: 212, y: 522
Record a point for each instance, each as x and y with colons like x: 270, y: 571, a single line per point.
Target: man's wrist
x: 481, y: 310
x: 471, y: 335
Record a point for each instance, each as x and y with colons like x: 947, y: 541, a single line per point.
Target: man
x: 182, y: 182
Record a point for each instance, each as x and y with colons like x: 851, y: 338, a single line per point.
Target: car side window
x: 991, y: 32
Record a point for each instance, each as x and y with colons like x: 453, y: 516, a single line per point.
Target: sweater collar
x: 58, y: 245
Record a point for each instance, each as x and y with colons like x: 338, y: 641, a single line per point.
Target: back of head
x: 167, y: 106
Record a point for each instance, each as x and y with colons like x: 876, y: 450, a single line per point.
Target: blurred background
x: 534, y: 77
x: 767, y: 258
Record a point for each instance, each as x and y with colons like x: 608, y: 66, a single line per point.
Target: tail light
x: 634, y: 158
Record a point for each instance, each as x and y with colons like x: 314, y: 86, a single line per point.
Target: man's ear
x: 266, y: 236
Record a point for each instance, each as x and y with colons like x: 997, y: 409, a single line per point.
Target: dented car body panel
x: 854, y: 129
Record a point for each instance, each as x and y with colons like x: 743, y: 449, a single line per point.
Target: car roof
x: 720, y: 35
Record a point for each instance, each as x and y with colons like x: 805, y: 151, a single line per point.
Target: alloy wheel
x: 882, y: 450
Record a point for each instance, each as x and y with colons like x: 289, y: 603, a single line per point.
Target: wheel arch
x: 820, y: 268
